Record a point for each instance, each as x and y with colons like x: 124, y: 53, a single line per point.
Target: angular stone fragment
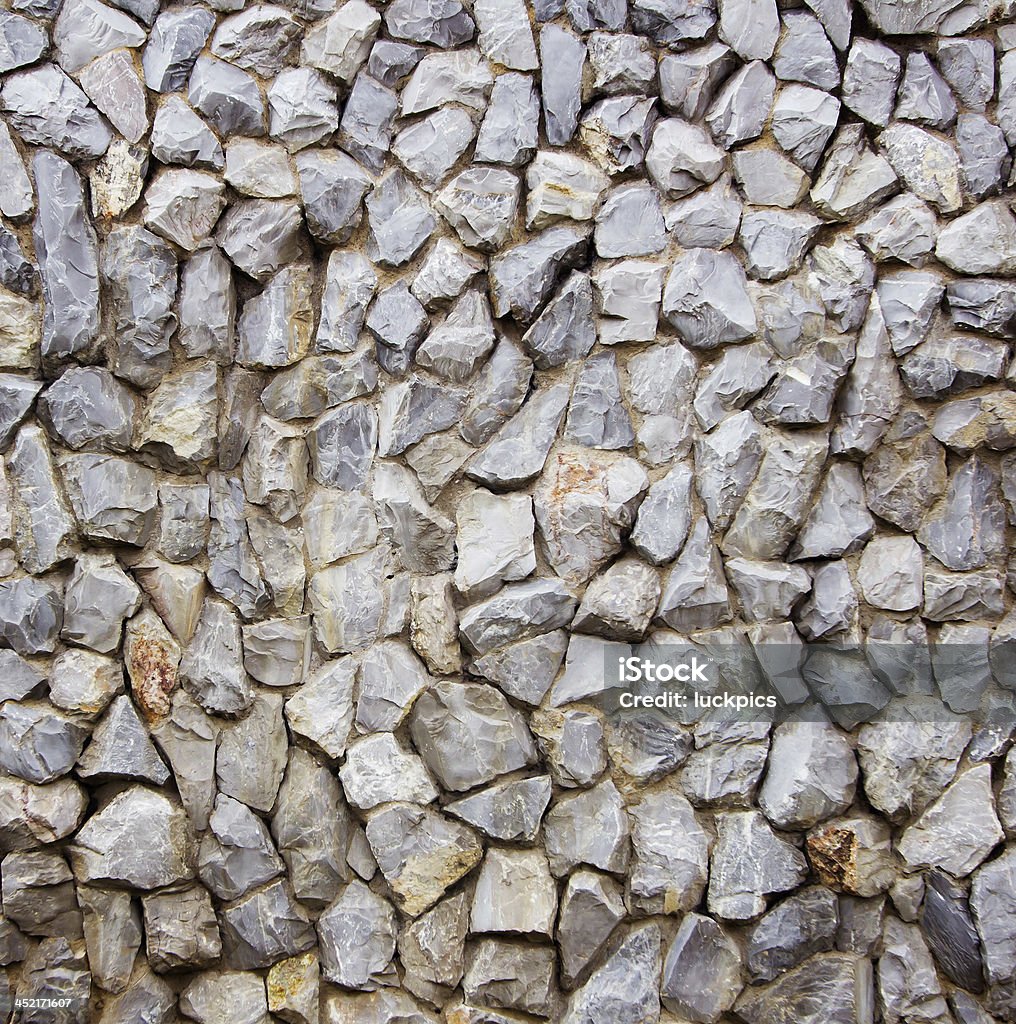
x: 508, y: 134
x: 469, y: 734
x: 176, y: 39
x: 420, y: 852
x: 726, y: 461
x: 506, y: 810
x: 228, y: 97
x: 624, y: 988
x: 570, y: 842
x: 246, y: 941
x: 254, y: 781
x: 180, y: 930
x: 212, y: 995
x: 799, y: 926
x: 777, y: 500
x: 357, y: 935
x: 140, y: 838
x: 749, y: 862
x: 852, y: 855
x: 65, y: 247
x: 237, y: 853
x: 832, y: 987
x: 982, y: 241
x: 532, y: 904
x: 928, y: 165
x: 461, y: 76
x: 522, y: 277
x: 260, y: 236
x: 446, y: 24
x: 340, y: 44
x: 853, y: 178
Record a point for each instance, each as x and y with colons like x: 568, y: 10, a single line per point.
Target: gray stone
x: 562, y: 58
x: 237, y: 853
x: 113, y: 84
x: 508, y: 134
x: 461, y: 76
x: 254, y: 781
x: 260, y: 236
x: 357, y: 935
x: 233, y: 570
x: 509, y: 811
x: 624, y: 988
x: 928, y: 165
x: 829, y: 987
x: 312, y: 828
x: 853, y: 178
x: 701, y: 949
x: 934, y: 840
x: 228, y: 97
x: 982, y: 241
x: 174, y: 43
x: 569, y: 841
x: 742, y: 105
x: 341, y: 43
x: 365, y: 130
x: 991, y: 901
x: 803, y: 121
x: 400, y: 220
x: 750, y: 28
x: 870, y: 79
x: 214, y: 994
x: 706, y: 301
x: 513, y: 975
x: 615, y: 132
x: 444, y: 23
x: 421, y: 853
x: 591, y: 906
x: 469, y: 734
x: 302, y: 108
x: 801, y: 925
x: 924, y: 96
x: 949, y: 930
x: 247, y: 943
x: 180, y: 930
x: 514, y: 893
x: 86, y: 29
x: 777, y: 500
x: 31, y: 613
x: 112, y: 931
x: 141, y: 838
x: 65, y: 247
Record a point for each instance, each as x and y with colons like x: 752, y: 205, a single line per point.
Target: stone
x: 259, y: 169
x: 740, y: 109
x: 159, y: 853
x: 525, y: 670
x: 183, y: 206
x: 532, y: 905
x: 615, y: 132
x: 461, y: 76
x: 736, y: 889
x: 508, y: 134
x: 445, y: 24
x: 421, y: 853
x: 237, y: 853
x: 341, y: 43
x: 227, y: 96
x: 701, y: 949
x: 174, y: 43
x: 982, y: 241
x: 400, y: 220
x: 86, y: 29
x: 991, y: 903
x: 233, y: 569
x: 797, y: 927
x: 870, y: 80
x: 357, y: 934
x: 948, y: 928
x: 16, y: 199
x: 817, y: 783
x: 261, y: 236
x: 180, y: 930
x: 293, y: 988
x: 852, y: 855
x: 302, y: 108
x: 508, y: 811
x: 562, y: 56
x: 31, y: 613
x: 926, y: 164
x: 777, y: 498
x: 113, y: 84
x: 312, y: 828
x: 625, y: 986
x: 66, y: 250
x: 750, y: 29
x: 933, y: 841
x: 38, y: 894
x: 480, y: 204
x: 832, y: 987
x: 839, y: 522
x: 568, y: 840
x: 512, y: 975
x: 705, y: 300
x: 342, y: 623
x: 214, y: 993
x: 853, y: 178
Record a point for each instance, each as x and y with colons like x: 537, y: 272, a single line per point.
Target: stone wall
x: 371, y: 374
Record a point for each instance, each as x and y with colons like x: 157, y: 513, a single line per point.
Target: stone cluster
x: 370, y: 373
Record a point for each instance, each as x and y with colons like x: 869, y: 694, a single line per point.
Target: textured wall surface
x: 368, y: 371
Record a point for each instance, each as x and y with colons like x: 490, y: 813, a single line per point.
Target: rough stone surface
x: 410, y: 367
